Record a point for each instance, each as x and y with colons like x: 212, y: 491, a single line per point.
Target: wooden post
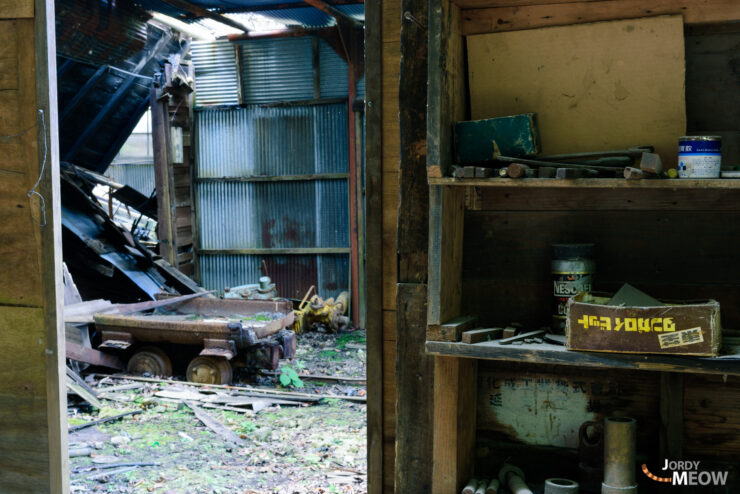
x: 455, y: 386
x: 33, y: 436
x: 374, y: 247
x: 164, y: 179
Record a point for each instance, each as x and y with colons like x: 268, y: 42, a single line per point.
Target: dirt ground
x: 312, y: 448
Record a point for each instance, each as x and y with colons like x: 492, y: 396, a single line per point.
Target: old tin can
x: 572, y: 273
x: 699, y: 156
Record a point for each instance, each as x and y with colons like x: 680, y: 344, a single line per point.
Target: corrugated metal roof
x: 242, y: 142
x: 215, y: 73
x: 293, y: 274
x: 277, y: 70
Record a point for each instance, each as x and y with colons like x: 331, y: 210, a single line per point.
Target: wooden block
x: 595, y: 91
x: 451, y: 330
x: 485, y: 334
x: 483, y: 140
x: 509, y: 331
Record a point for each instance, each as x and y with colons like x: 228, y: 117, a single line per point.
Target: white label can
x: 699, y: 156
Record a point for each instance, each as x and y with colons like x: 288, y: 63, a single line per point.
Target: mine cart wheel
x: 150, y: 360
x: 209, y: 370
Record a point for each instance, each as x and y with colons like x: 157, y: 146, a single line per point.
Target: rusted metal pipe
x: 619, y: 456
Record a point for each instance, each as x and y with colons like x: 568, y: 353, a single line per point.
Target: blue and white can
x: 699, y: 156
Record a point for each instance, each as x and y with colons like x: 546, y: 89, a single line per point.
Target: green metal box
x: 478, y: 141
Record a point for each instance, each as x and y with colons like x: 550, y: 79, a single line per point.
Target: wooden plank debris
x: 483, y: 334
x: 103, y: 420
x: 451, y: 330
x: 216, y: 426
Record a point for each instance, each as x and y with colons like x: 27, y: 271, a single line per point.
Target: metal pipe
x: 619, y: 456
x: 561, y: 486
x: 513, y: 477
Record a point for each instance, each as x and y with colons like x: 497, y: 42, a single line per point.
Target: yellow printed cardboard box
x: 673, y: 329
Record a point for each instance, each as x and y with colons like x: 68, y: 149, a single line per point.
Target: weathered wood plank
x: 414, y: 380
x: 455, y: 392
x: 514, y: 18
x: 16, y: 9
x: 546, y: 353
x: 711, y: 416
x: 483, y: 334
x: 445, y: 253
x: 617, y: 199
x: 671, y: 415
x: 375, y: 319
x: 451, y: 330
x: 447, y: 88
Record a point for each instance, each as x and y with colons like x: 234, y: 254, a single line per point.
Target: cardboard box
x: 671, y: 329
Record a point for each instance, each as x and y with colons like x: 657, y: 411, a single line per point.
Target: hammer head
x: 650, y: 163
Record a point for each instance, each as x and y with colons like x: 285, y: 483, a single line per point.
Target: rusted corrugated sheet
x: 250, y: 141
x: 273, y: 215
x: 100, y: 32
x: 293, y: 274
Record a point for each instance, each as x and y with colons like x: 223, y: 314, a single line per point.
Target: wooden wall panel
x: 711, y: 417
x: 527, y: 16
x: 33, y: 436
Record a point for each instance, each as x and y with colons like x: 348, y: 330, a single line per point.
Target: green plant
x: 289, y: 377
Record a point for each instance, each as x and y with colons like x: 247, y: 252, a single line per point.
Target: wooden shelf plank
x: 546, y: 353
x: 594, y: 183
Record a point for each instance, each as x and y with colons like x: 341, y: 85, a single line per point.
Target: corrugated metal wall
x: 135, y: 175
x: 215, y: 73
x: 240, y: 212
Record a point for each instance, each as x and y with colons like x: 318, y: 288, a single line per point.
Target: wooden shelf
x: 546, y: 353
x: 592, y: 183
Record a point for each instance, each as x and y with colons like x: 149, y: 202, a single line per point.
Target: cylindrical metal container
x: 619, y: 456
x: 561, y: 486
x: 699, y: 156
x: 573, y: 267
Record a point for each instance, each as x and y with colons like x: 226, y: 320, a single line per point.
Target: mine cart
x: 211, y: 335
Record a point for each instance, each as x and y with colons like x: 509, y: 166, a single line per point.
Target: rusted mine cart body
x: 228, y: 333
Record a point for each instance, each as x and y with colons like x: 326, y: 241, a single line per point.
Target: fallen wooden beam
x: 483, y: 334
x: 451, y: 330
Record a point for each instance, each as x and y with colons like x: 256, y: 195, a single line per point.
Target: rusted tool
x: 517, y: 170
x: 482, y: 172
x: 633, y: 152
x: 554, y: 164
x: 547, y: 172
x: 631, y: 173
x: 521, y: 337
x: 503, y: 172
x: 561, y: 486
x: 650, y: 163
x: 513, y: 477
x: 469, y: 172
x: 619, y: 456
x: 458, y: 171
x: 576, y: 173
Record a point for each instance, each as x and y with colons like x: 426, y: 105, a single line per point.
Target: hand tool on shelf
x: 633, y: 152
x: 554, y: 164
